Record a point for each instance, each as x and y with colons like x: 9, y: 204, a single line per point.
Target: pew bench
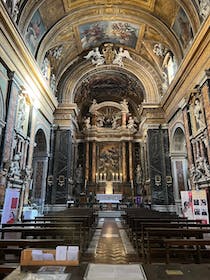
x: 197, y: 248
x: 153, y: 242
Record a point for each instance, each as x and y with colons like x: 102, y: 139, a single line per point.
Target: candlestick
x: 112, y: 176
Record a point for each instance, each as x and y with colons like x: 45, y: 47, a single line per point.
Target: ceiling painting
x: 34, y: 32
x: 117, y: 32
x: 183, y: 29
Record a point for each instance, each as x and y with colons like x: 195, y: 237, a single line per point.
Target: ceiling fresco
x: 155, y: 33
x: 118, y: 32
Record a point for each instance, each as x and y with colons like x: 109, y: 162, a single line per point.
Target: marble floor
x: 110, y: 244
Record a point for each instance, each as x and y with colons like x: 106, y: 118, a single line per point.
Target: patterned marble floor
x: 110, y: 244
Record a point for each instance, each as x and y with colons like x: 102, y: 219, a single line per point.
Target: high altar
x: 109, y: 134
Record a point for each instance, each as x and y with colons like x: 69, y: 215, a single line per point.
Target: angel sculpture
x: 115, y: 123
x: 119, y: 57
x: 97, y: 57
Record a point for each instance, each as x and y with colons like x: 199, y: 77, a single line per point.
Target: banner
x: 200, y: 206
x: 187, y: 206
x: 10, y: 209
x: 195, y: 205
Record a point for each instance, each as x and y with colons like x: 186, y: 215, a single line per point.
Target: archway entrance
x: 40, y: 164
x: 179, y: 164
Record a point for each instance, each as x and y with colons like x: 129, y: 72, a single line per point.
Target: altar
x: 109, y: 198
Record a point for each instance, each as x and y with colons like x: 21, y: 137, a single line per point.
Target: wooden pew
x: 71, y: 234
x: 195, y: 248
x: 153, y: 238
x: 139, y: 230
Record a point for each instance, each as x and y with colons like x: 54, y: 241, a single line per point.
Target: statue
x: 21, y: 113
x: 114, y: 121
x: 119, y: 57
x: 204, y: 8
x: 15, y: 166
x: 124, y: 104
x: 87, y: 123
x: 100, y: 121
x: 97, y: 57
x: 131, y: 124
x: 138, y: 174
x: 165, y: 82
x: 53, y: 82
x: 198, y: 113
x: 159, y: 49
x: 108, y: 53
x: 46, y: 68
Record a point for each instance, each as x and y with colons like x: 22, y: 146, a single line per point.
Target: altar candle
x: 100, y: 176
x: 117, y: 178
x: 112, y: 176
x: 104, y: 176
x: 120, y: 177
x: 96, y: 177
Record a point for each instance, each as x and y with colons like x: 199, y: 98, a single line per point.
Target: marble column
x: 124, y: 175
x: 130, y: 161
x: 87, y: 162
x: 93, y: 161
x: 123, y: 119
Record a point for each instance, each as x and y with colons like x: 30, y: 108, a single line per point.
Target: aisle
x: 110, y: 244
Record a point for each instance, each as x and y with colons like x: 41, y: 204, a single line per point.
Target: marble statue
x: 115, y: 121
x: 119, y: 57
x: 138, y: 174
x: 53, y: 83
x: 87, y: 123
x: 204, y: 8
x: 159, y: 49
x: 96, y: 57
x: 15, y: 166
x: 21, y: 113
x: 131, y: 124
x: 198, y: 113
x: 46, y: 68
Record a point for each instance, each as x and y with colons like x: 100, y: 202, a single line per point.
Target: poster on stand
x: 195, y: 205
x: 187, y: 205
x: 200, y: 206
x: 10, y: 209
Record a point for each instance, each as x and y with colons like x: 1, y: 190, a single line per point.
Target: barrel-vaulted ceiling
x: 65, y: 31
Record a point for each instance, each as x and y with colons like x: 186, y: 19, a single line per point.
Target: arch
x: 104, y: 104
x: 40, y: 166
x: 41, y: 143
x: 40, y: 129
x: 179, y: 162
x: 149, y: 82
x: 178, y: 140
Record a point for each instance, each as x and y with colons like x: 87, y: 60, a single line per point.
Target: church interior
x: 105, y: 114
